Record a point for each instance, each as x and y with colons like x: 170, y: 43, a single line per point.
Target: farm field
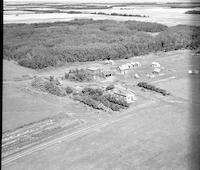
x: 133, y: 67
x: 144, y: 140
x: 23, y: 104
x: 101, y: 86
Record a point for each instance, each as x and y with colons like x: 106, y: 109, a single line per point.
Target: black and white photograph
x: 100, y: 85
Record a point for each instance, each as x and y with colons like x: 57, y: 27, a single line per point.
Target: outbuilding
x: 193, y: 71
x: 123, y: 68
x: 136, y: 76
x: 155, y: 64
x: 109, y: 62
x: 136, y: 64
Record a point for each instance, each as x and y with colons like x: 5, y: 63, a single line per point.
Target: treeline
x: 51, y: 44
x: 192, y: 12
x: 80, y: 75
x: 117, y: 14
x: 153, y: 88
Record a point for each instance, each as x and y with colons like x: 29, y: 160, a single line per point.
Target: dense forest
x: 51, y: 44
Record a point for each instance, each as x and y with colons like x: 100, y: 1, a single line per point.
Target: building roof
x: 135, y: 63
x: 109, y: 61
x: 93, y: 68
x: 156, y: 70
x: 124, y: 67
x: 155, y: 63
x: 136, y: 75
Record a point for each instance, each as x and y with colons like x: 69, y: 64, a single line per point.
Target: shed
x: 136, y: 64
x: 109, y: 62
x: 155, y: 64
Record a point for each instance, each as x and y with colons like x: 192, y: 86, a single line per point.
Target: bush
x: 96, y: 99
x: 153, y: 88
x: 107, y: 103
x: 68, y: 90
x: 89, y: 101
x: 116, y: 100
x: 48, y: 86
x: 79, y: 75
x: 92, y: 92
x: 54, y: 89
x: 110, y: 87
x: 115, y: 107
x: 145, y: 26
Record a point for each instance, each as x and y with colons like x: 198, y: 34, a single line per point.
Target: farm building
x: 123, y: 68
x: 109, y: 62
x: 193, y: 72
x: 124, y: 93
x: 136, y: 76
x: 156, y: 71
x: 129, y: 65
x: 94, y: 69
x: 136, y: 64
x: 155, y: 64
x: 96, y: 72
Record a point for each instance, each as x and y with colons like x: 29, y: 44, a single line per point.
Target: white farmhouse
x: 125, y: 94
x: 123, y: 68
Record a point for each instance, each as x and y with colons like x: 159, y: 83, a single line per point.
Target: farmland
x: 100, y: 94
x: 179, y: 97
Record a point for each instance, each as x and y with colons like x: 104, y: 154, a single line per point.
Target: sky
x: 100, y: 1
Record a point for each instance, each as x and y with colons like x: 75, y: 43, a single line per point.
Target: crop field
x: 31, y: 134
